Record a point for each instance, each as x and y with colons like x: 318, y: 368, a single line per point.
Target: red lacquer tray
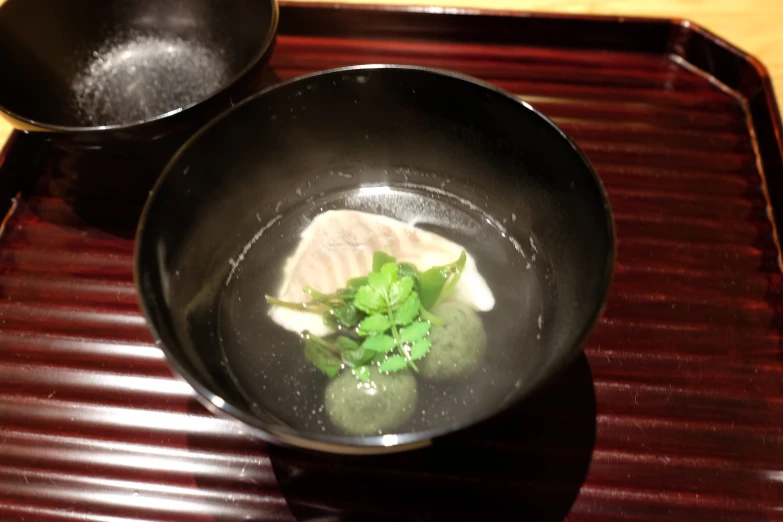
x: 674, y: 413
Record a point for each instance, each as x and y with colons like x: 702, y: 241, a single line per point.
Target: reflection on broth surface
x: 418, y: 312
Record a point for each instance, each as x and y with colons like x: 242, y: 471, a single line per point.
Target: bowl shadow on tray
x: 526, y: 465
x: 106, y: 190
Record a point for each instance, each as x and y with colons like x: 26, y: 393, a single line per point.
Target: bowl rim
x: 43, y: 126
x: 385, y: 443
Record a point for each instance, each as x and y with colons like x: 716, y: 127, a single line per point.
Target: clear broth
x: 267, y: 363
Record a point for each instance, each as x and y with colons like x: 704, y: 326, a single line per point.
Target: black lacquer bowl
x: 211, y: 222
x: 107, y: 72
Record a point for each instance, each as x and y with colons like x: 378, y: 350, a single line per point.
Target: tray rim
x: 686, y: 25
x: 676, y: 23
x: 13, y: 142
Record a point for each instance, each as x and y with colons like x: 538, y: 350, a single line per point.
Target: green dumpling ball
x: 458, y: 344
x: 383, y: 403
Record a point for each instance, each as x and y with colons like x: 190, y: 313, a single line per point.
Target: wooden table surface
x: 752, y: 25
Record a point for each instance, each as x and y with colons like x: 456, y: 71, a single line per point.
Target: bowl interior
x: 89, y: 63
x: 227, y: 208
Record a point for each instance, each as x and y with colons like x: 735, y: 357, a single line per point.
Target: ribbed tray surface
x: 677, y: 417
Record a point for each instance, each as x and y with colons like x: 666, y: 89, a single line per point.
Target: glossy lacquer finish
x: 109, y: 74
x: 674, y: 413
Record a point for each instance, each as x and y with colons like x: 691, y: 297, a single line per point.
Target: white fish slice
x: 339, y: 245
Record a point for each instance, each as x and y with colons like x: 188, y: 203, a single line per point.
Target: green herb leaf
x: 399, y: 291
x: 394, y: 363
x: 341, y: 295
x: 379, y: 343
x: 358, y: 357
x: 331, y: 322
x: 408, y: 269
x: 415, y: 332
x: 362, y: 373
x: 433, y: 281
x: 428, y: 316
x: 309, y: 290
x: 346, y: 314
x: 456, y: 269
x: 390, y: 307
x: 390, y: 269
x: 408, y: 310
x: 346, y: 343
x: 352, y: 354
x: 316, y: 352
x: 379, y: 259
x: 331, y: 370
x: 313, y: 306
x: 379, y: 282
x: 355, y: 283
x: 420, y: 349
x: 375, y: 324
x: 369, y: 301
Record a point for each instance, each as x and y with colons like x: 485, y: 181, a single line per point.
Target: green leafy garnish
x: 420, y: 349
x: 379, y: 259
x: 394, y: 363
x: 346, y: 344
x: 409, y: 310
x: 438, y: 281
x: 355, y: 283
x: 400, y: 290
x: 414, y: 332
x: 346, y: 314
x: 427, y: 316
x: 407, y: 269
x: 390, y: 270
x: 380, y: 314
x: 321, y: 354
x: 368, y: 300
x: 379, y: 282
x: 362, y: 373
x: 379, y: 343
x: 355, y: 358
x: 374, y: 324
